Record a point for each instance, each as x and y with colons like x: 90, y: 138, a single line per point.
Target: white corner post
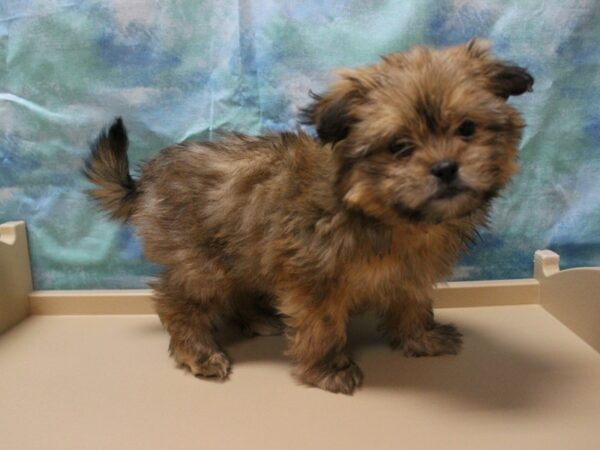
x: 15, y: 274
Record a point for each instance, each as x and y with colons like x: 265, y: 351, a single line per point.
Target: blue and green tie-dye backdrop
x: 180, y: 69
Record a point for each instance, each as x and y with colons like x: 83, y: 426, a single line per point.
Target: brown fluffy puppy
x: 256, y: 229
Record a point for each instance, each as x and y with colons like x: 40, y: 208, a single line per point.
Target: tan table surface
x: 523, y: 381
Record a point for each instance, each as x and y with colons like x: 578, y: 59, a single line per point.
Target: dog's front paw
x: 343, y: 381
x: 342, y: 376
x: 216, y: 365
x: 439, y: 340
x: 213, y: 365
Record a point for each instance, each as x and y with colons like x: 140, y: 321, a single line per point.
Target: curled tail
x: 108, y: 168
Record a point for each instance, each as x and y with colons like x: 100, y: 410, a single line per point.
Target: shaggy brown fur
x: 410, y: 153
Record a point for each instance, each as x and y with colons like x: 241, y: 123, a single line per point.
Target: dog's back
x: 216, y: 201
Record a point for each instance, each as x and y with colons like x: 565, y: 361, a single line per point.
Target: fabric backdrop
x: 181, y: 69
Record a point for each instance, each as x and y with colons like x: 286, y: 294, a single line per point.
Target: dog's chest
x: 415, y: 262
x: 368, y: 276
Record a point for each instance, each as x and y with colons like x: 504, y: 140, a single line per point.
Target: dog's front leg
x: 317, y: 342
x: 408, y: 322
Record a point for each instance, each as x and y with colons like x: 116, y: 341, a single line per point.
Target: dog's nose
x: 445, y: 170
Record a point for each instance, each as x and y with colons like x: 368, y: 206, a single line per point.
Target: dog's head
x: 425, y: 135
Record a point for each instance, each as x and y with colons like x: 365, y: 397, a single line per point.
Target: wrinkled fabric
x: 181, y: 69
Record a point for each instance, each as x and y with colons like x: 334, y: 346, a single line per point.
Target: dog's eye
x: 401, y: 150
x: 466, y: 129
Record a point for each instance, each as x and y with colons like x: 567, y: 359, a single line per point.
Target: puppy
x: 285, y: 229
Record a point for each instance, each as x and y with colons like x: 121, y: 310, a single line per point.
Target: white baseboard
x: 139, y: 301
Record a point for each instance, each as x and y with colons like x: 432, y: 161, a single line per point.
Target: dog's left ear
x: 332, y: 113
x: 508, y: 79
x: 505, y: 79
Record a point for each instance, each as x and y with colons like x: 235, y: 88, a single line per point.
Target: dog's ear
x: 332, y: 113
x: 508, y: 79
x: 505, y: 79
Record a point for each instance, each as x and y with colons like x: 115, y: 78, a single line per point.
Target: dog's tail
x: 108, y: 168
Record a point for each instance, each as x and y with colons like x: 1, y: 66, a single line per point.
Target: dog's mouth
x: 449, y: 191
x: 447, y: 203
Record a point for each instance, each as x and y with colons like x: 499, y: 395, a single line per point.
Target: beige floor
x: 523, y: 381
